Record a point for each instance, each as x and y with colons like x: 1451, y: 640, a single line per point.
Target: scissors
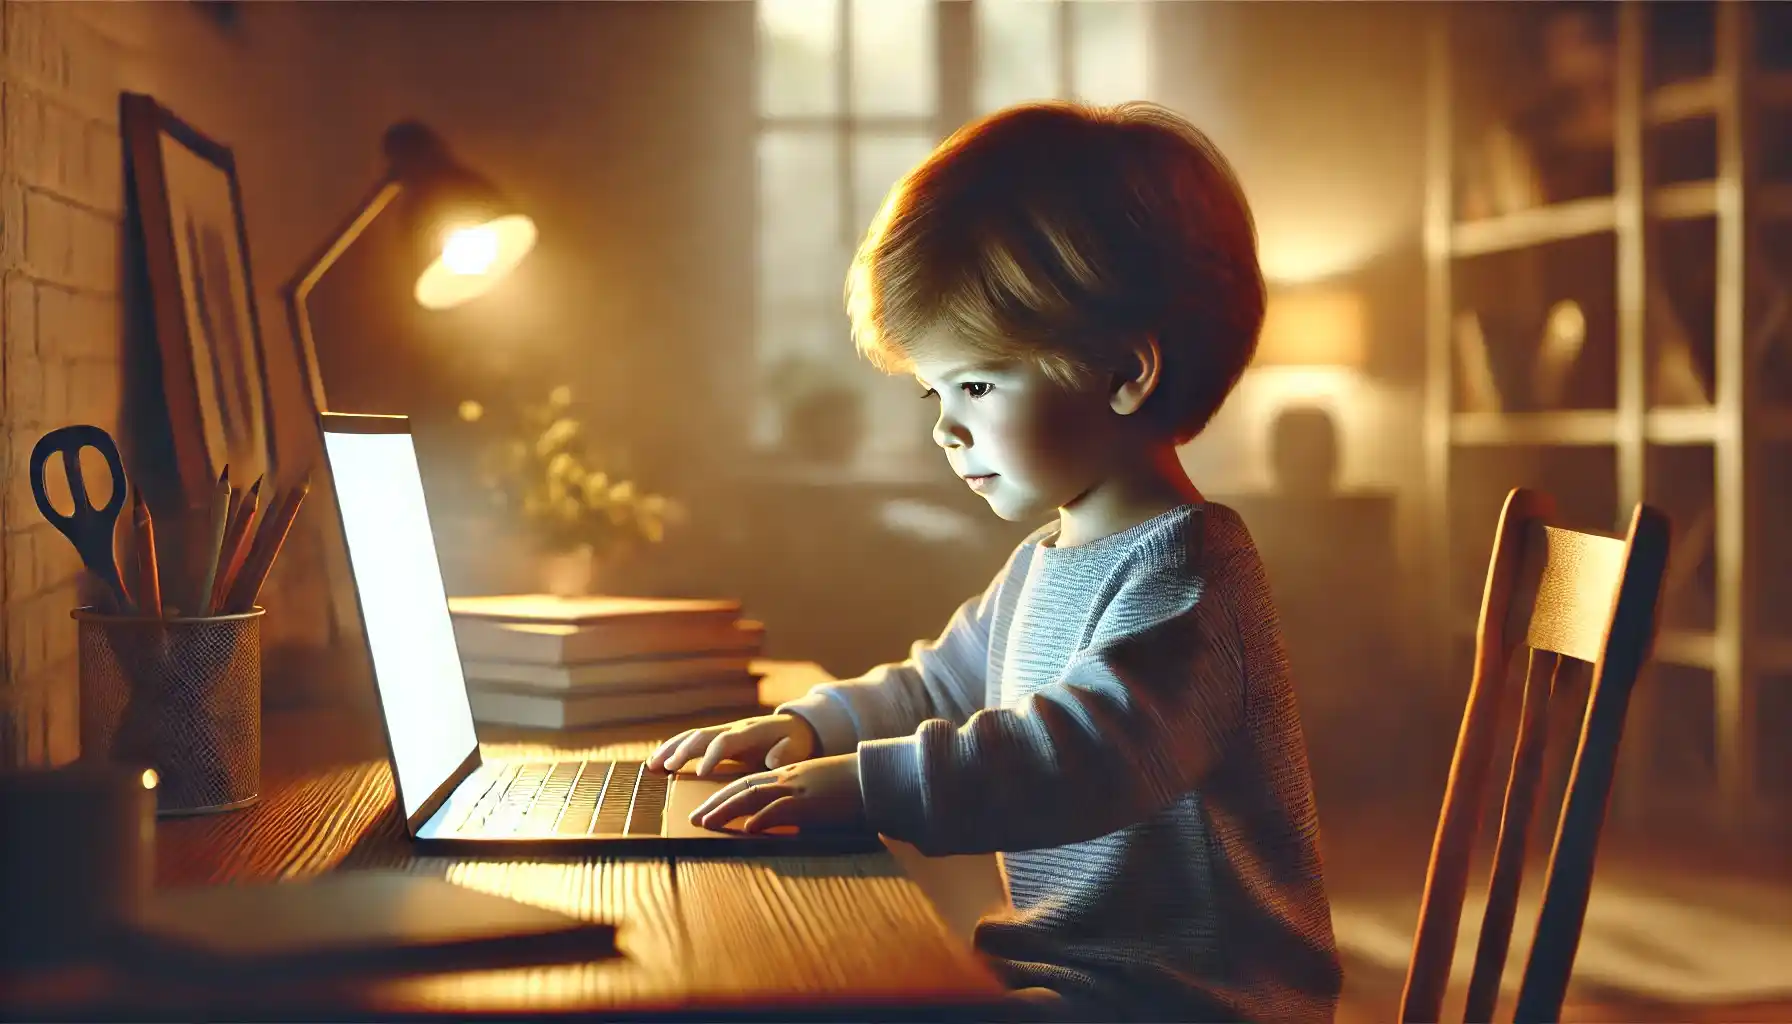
x: 90, y: 528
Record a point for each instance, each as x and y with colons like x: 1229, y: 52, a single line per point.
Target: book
x: 354, y: 921
x: 557, y: 631
x: 625, y: 674
x: 590, y: 611
x: 539, y: 710
x: 544, y: 644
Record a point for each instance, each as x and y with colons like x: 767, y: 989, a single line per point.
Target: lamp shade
x: 470, y: 234
x: 1314, y: 327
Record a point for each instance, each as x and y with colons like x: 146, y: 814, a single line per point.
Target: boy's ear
x: 1138, y: 378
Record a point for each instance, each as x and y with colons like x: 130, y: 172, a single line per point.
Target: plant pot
x: 567, y: 573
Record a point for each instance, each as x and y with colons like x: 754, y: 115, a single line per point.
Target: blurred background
x: 1544, y: 246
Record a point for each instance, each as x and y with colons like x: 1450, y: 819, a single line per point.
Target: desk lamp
x: 468, y: 234
x: 1310, y: 332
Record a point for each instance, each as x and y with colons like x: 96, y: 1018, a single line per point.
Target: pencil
x: 117, y: 600
x: 269, y: 538
x: 235, y: 546
x: 210, y: 544
x: 149, y: 585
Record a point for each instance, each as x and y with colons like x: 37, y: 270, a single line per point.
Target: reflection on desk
x: 841, y: 936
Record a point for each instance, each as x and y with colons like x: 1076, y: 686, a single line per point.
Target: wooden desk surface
x: 839, y: 936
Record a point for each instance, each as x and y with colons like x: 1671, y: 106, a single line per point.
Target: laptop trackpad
x: 688, y: 791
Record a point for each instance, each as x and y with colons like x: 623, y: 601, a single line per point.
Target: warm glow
x: 471, y: 250
x: 473, y: 259
x: 1301, y: 255
x: 150, y: 778
x: 1314, y: 327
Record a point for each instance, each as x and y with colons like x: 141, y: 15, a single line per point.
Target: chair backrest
x: 1564, y: 594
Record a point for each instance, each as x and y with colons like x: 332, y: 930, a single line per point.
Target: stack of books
x: 568, y: 663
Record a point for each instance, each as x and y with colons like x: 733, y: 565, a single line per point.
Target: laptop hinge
x: 443, y: 792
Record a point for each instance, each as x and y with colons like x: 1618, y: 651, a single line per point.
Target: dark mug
x: 77, y: 859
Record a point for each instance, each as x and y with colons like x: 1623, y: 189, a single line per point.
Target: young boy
x: 1078, y: 289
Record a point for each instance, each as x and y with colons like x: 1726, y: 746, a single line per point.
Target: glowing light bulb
x: 473, y: 259
x: 471, y: 251
x: 150, y: 778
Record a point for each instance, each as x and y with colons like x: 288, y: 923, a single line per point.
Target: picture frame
x: 196, y: 260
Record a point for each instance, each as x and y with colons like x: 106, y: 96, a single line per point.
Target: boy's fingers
x: 725, y: 794
x: 693, y: 743
x: 786, y: 810
x: 713, y: 799
x: 726, y: 744
x: 742, y: 802
x: 658, y: 761
x: 774, y: 758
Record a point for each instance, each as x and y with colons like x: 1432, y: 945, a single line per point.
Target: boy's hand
x: 779, y: 739
x: 822, y: 792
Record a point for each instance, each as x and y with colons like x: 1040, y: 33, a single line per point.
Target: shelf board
x: 1688, y: 647
x: 1570, y: 427
x: 1697, y: 648
x: 1687, y: 200
x: 1691, y: 200
x: 1701, y: 97
x: 1691, y: 425
x: 1536, y: 226
x: 1682, y: 101
x: 1590, y: 427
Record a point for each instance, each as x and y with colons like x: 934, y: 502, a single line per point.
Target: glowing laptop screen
x: 392, y: 555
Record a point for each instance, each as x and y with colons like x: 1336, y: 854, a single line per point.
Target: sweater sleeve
x: 941, y: 680
x: 1133, y: 721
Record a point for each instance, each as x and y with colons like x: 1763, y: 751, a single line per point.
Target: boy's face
x: 1026, y: 443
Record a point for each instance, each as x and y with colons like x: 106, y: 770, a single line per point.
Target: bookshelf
x: 1609, y: 317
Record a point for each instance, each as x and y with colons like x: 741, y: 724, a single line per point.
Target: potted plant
x: 540, y: 473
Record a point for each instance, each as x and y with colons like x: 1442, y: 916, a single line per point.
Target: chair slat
x: 1583, y: 597
x: 1577, y: 577
x: 1540, y: 685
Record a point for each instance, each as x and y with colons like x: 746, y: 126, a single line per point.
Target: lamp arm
x: 297, y: 290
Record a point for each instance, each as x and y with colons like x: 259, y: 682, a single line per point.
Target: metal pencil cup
x: 180, y: 695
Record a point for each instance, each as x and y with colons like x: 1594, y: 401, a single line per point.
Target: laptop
x: 450, y: 794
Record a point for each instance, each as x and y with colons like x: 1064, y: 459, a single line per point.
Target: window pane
x: 800, y: 348
x: 893, y: 64
x: 802, y: 248
x: 799, y: 56
x: 1110, y: 51
x: 878, y: 162
x: 796, y: 341
x: 1017, y: 52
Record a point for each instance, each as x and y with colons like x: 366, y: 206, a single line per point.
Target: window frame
x: 956, y: 73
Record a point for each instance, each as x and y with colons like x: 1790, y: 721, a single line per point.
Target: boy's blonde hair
x: 1060, y: 233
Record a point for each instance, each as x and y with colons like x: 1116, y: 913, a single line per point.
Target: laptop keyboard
x: 568, y: 798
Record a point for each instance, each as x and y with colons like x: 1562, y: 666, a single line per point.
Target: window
x: 1093, y: 50
x: 851, y: 95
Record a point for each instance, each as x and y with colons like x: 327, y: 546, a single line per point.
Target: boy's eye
x: 976, y: 389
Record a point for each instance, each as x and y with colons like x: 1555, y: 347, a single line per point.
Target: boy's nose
x: 948, y: 433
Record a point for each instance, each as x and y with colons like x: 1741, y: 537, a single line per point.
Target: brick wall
x: 60, y: 201
x: 62, y: 67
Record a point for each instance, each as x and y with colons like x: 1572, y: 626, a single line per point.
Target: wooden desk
x: 777, y: 938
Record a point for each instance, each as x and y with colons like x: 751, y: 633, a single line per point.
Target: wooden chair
x: 1564, y: 594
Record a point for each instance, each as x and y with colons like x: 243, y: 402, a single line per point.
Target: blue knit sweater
x: 1116, y: 720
